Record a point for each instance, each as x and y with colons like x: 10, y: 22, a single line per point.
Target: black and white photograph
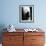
x: 26, y: 13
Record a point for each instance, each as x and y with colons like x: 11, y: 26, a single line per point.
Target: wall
x: 9, y: 13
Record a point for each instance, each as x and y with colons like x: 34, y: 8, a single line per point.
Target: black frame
x: 26, y: 16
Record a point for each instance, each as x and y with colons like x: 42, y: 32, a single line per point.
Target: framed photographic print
x: 26, y: 13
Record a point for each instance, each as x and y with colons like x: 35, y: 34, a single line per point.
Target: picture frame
x: 26, y: 13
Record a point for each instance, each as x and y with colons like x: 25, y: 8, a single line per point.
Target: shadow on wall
x: 2, y: 26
